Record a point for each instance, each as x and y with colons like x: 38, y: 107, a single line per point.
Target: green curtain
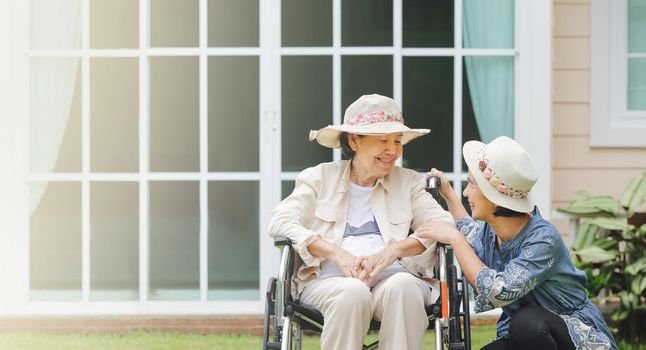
x: 636, y: 45
x: 490, y: 24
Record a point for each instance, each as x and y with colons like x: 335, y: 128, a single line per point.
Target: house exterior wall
x: 575, y: 164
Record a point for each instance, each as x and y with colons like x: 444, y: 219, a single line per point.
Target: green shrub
x: 610, y: 246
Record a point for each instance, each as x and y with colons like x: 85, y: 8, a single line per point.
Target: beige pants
x: 348, y: 305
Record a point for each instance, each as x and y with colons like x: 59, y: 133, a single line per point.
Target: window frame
x: 611, y: 123
x: 532, y: 108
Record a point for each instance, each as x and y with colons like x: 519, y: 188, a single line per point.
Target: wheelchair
x: 285, y: 319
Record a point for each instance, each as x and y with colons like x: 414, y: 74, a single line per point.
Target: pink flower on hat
x: 487, y: 173
x: 501, y: 188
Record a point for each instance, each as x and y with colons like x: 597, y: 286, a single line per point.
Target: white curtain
x: 636, y: 44
x: 490, y: 24
x: 53, y: 25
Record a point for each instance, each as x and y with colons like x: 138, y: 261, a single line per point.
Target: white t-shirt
x: 362, y: 236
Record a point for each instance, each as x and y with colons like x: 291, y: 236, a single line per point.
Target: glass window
x: 234, y: 23
x: 114, y: 241
x: 55, y: 24
x: 491, y: 90
x: 287, y: 187
x: 428, y: 23
x: 174, y: 23
x: 234, y: 104
x: 114, y: 114
x: 234, y: 252
x: 488, y: 24
x: 361, y: 75
x: 636, y: 55
x: 306, y: 22
x: 366, y: 22
x: 174, y: 268
x: 55, y: 241
x: 174, y: 114
x: 55, y: 110
x: 306, y: 105
x: 114, y: 24
x: 428, y: 103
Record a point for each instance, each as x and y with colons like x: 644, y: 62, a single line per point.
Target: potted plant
x: 610, y: 246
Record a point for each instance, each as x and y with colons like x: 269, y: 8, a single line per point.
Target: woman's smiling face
x: 481, y: 207
x: 375, y: 155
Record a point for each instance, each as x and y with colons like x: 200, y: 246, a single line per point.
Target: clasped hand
x: 365, y: 268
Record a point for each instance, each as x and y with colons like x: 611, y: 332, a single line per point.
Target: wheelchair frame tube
x: 281, y: 285
x: 444, y: 297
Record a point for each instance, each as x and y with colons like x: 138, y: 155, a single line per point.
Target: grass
x: 166, y: 341
x: 481, y: 335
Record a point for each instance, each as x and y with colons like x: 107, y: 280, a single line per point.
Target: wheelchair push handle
x: 433, y: 186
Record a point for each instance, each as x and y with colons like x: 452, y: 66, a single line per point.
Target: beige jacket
x: 318, y: 208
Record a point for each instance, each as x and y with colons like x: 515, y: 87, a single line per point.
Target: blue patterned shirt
x: 534, y: 268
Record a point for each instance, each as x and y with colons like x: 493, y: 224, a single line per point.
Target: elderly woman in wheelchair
x: 349, y: 222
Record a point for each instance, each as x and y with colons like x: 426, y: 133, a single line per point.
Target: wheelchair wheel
x: 272, y: 341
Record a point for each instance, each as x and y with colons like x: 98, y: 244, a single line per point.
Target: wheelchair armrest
x: 282, y: 241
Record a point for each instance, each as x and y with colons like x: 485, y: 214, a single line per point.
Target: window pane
x: 174, y: 114
x: 174, y: 241
x: 55, y: 112
x: 114, y: 114
x: 428, y: 103
x: 306, y: 22
x: 234, y: 266
x: 286, y: 188
x: 428, y: 23
x: 637, y: 83
x: 114, y: 24
x: 488, y: 24
x: 174, y: 23
x: 233, y: 113
x: 234, y: 23
x: 55, y: 24
x: 366, y: 22
x: 114, y: 241
x: 306, y: 105
x: 636, y: 26
x: 55, y: 241
x: 362, y: 75
x: 491, y: 88
x: 469, y: 125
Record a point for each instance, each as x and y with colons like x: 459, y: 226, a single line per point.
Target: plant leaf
x: 635, y: 193
x: 585, y: 236
x: 594, y: 254
x: 636, y: 267
x: 593, y: 205
x: 618, y: 224
x: 638, y: 284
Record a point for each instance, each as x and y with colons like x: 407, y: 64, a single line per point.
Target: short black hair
x: 347, y: 151
x: 506, y: 212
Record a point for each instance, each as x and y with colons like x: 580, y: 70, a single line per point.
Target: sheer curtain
x: 636, y: 45
x: 490, y: 24
x: 54, y: 25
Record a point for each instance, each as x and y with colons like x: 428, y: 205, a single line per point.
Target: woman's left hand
x: 438, y: 231
x: 375, y: 263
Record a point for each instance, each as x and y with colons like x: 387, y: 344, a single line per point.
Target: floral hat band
x: 495, y: 181
x: 375, y: 117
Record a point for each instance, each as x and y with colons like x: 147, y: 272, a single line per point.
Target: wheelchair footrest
x: 274, y: 345
x: 456, y: 346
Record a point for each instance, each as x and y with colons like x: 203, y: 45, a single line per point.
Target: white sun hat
x: 369, y: 115
x: 504, y: 171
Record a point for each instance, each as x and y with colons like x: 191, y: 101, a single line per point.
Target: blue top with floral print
x: 534, y: 267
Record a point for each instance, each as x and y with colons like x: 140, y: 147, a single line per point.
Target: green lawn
x: 161, y: 340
